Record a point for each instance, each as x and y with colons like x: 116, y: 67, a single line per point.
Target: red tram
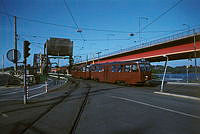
x: 81, y: 71
x: 131, y: 72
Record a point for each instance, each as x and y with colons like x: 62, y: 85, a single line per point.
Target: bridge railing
x: 174, y: 37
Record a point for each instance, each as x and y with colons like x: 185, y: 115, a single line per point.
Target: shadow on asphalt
x: 21, y: 126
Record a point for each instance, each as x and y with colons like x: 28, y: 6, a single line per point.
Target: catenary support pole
x: 15, y: 43
x: 195, y: 56
x: 163, y: 79
x: 2, y: 63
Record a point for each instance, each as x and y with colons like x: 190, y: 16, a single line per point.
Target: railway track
x: 77, y: 117
x: 75, y: 111
x: 53, y: 105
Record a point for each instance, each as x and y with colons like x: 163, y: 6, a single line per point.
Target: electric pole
x: 15, y: 43
x: 3, y: 63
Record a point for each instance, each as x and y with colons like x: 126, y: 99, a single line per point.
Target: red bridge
x: 180, y: 46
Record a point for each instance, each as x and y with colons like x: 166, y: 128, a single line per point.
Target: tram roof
x: 122, y: 62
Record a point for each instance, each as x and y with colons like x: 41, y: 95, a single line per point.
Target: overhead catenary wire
x: 157, y: 18
x: 38, y: 36
x: 159, y: 31
x: 77, y: 27
x: 74, y: 21
x: 35, y: 44
x: 61, y: 25
x: 91, y: 29
x: 3, y: 5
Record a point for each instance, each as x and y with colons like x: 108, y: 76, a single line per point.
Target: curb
x: 189, y: 84
x: 177, y: 95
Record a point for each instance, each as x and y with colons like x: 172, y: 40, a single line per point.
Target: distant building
x: 39, y: 63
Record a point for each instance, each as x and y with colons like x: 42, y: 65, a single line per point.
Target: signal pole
x: 25, y: 84
x: 15, y: 43
x: 26, y: 55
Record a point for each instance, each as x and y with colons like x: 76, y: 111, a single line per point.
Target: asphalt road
x: 109, y: 109
x: 114, y: 109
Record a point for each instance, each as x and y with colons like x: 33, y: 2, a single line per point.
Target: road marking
x: 30, y: 89
x: 17, y: 99
x: 189, y: 84
x: 37, y: 87
x: 177, y: 95
x: 11, y: 93
x: 36, y: 95
x: 4, y: 115
x: 157, y: 107
x: 22, y: 91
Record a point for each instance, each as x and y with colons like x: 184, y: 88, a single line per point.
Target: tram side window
x: 101, y: 68
x: 142, y: 67
x: 73, y: 68
x: 97, y: 69
x: 113, y: 68
x: 87, y: 69
x: 78, y: 69
x: 93, y: 69
x: 120, y: 68
x: 127, y: 68
x: 83, y: 69
x: 134, y: 68
x: 148, y: 67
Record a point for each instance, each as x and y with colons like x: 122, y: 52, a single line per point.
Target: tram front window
x: 148, y: 67
x: 145, y: 67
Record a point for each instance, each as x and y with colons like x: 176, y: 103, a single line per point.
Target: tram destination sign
x: 59, y: 47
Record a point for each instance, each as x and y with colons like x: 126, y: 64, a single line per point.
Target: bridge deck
x: 179, y: 46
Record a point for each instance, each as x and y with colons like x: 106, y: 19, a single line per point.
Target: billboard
x: 59, y: 47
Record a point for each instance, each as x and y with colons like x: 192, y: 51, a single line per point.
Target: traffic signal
x: 26, y: 49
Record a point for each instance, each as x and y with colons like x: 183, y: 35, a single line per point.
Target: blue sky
x: 121, y: 17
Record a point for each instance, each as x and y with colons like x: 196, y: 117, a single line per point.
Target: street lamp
x: 79, y: 31
x: 188, y: 26
x: 140, y: 18
x: 98, y: 53
x: 106, y: 49
x: 187, y: 68
x: 77, y: 58
x: 131, y: 34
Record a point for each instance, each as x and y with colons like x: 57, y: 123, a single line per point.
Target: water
x: 182, y: 77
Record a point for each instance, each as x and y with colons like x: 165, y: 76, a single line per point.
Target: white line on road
x: 1, y: 100
x: 30, y: 89
x: 177, y: 95
x: 37, y: 87
x: 11, y: 93
x: 36, y: 95
x: 4, y: 115
x: 157, y: 107
x: 22, y: 90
